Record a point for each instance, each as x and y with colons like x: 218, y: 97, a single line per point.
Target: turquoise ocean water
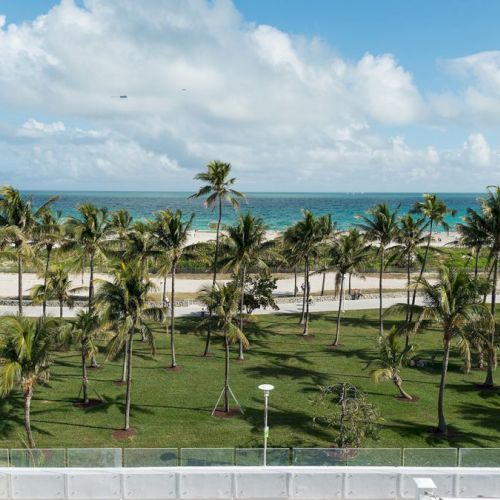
x: 279, y: 210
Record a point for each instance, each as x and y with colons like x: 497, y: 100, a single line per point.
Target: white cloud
x: 286, y: 110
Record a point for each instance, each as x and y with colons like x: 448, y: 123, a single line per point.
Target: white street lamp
x: 266, y: 389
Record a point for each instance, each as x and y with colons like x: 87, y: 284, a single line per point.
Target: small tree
x: 259, y: 293
x: 392, y: 358
x: 345, y: 409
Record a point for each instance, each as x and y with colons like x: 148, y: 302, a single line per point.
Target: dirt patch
x: 98, y: 367
x: 92, y: 403
x: 119, y: 383
x: 233, y: 412
x: 483, y: 387
x: 206, y: 356
x: 177, y: 368
x: 307, y: 337
x: 335, y: 346
x: 413, y: 399
x: 124, y: 434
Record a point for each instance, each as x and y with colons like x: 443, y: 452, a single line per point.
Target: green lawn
x: 173, y: 409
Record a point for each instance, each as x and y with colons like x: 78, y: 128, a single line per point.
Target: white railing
x: 245, y: 483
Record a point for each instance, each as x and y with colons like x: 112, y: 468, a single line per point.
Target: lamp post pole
x: 266, y: 389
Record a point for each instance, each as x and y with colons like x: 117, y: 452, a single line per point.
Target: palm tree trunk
x: 61, y: 306
x: 380, y: 289
x: 489, y: 382
x: 172, y: 316
x: 323, y: 284
x: 28, y: 394
x: 85, y: 380
x: 125, y: 362
x: 226, y: 374
x: 399, y: 385
x: 302, y: 314
x: 350, y: 279
x: 241, y: 355
x: 164, y: 295
x: 216, y: 259
x: 295, y: 282
x: 442, y: 427
x: 47, y: 264
x: 128, y: 397
x: 408, y: 293
x: 306, y: 316
x: 422, y: 270
x: 20, y: 283
x: 337, y: 330
x: 476, y: 263
x: 91, y: 281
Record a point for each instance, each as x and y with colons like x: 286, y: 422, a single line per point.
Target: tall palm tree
x: 347, y: 255
x: 305, y: 238
x: 173, y: 231
x: 89, y: 236
x: 434, y: 211
x: 19, y: 216
x: 123, y: 303
x: 217, y: 190
x: 488, y: 221
x: 57, y: 286
x: 223, y: 301
x: 473, y: 235
x: 392, y: 358
x: 25, y: 360
x: 452, y: 303
x: 244, y: 248
x: 380, y: 225
x: 409, y: 240
x: 48, y: 232
x: 87, y: 329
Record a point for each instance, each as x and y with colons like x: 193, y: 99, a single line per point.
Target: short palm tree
x: 452, y: 303
x: 392, y: 358
x: 173, y: 231
x: 57, y: 286
x: 19, y: 217
x: 223, y: 301
x: 305, y: 238
x: 380, y: 225
x: 244, y: 247
x: 25, y: 360
x: 123, y: 303
x: 88, y: 235
x: 473, y: 235
x: 86, y: 330
x: 347, y: 255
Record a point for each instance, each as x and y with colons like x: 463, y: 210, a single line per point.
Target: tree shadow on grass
x: 11, y: 411
x: 482, y: 416
x: 279, y: 370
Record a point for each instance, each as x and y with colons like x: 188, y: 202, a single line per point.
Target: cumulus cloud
x: 203, y: 83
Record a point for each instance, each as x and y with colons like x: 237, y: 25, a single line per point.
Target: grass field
x: 173, y: 409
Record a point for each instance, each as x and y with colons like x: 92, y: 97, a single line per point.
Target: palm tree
x: 380, y: 225
x: 19, y: 216
x: 123, y: 303
x: 89, y: 235
x: 392, y: 358
x: 346, y: 256
x: 120, y: 225
x: 434, y: 211
x: 223, y: 301
x: 244, y: 247
x: 217, y: 189
x: 452, y: 303
x: 488, y: 222
x: 87, y: 329
x: 409, y: 239
x: 173, y: 231
x: 57, y: 286
x: 305, y: 239
x: 142, y: 245
x: 25, y: 360
x: 48, y: 232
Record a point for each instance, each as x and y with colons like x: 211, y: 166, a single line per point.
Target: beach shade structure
x: 266, y: 389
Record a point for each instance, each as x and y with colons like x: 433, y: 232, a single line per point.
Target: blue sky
x: 383, y: 94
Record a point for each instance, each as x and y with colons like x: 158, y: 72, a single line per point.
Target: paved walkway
x: 196, y: 309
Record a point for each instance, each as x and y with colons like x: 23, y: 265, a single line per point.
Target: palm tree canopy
x: 380, y: 224
x: 218, y: 185
x: 410, y: 237
x: 25, y: 346
x: 172, y: 231
x: 348, y: 253
x: 434, y: 210
x: 57, y: 287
